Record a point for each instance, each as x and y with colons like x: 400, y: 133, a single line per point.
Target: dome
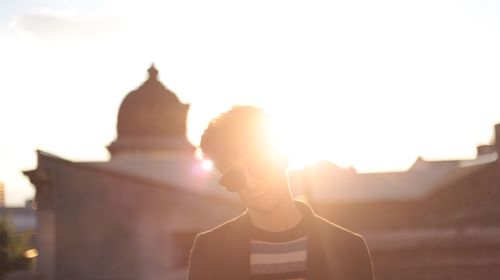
x: 151, y: 110
x: 151, y: 118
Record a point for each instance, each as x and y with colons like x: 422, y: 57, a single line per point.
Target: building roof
x: 458, y: 174
x: 327, y: 184
x: 170, y: 173
x: 346, y: 185
x: 180, y: 171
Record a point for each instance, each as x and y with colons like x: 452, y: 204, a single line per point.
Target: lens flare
x: 207, y: 165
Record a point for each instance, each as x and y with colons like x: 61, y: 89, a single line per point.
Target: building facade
x: 134, y: 216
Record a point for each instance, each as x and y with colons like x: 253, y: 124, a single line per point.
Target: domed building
x: 151, y: 120
x: 136, y: 215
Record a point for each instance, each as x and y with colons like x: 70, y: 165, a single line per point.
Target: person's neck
x: 284, y: 217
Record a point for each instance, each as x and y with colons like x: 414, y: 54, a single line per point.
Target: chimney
x: 486, y: 149
x: 497, y: 138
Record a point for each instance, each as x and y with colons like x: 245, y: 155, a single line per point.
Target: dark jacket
x: 333, y: 252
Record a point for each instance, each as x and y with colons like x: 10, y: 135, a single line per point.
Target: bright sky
x: 372, y: 84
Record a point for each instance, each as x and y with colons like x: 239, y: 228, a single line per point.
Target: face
x: 259, y: 182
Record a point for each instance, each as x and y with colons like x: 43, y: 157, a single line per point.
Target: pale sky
x: 372, y: 84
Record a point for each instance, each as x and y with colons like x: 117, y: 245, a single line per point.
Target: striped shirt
x: 279, y: 255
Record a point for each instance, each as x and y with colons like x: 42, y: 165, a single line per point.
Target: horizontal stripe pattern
x: 272, y: 258
x: 278, y: 258
x: 260, y: 247
x: 278, y: 267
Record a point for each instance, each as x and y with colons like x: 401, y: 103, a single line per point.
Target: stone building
x: 455, y: 231
x: 437, y: 220
x: 134, y: 216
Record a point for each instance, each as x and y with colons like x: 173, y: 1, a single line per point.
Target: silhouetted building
x: 438, y: 220
x: 151, y: 121
x: 367, y: 201
x: 455, y: 228
x: 468, y: 196
x: 134, y: 216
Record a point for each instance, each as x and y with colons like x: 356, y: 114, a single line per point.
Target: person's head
x: 239, y: 144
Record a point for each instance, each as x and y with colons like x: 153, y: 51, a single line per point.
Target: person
x: 277, y: 237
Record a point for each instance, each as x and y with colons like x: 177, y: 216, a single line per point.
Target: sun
x: 310, y: 137
x: 295, y: 141
x: 346, y: 139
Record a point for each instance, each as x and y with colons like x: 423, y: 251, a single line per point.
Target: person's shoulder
x: 326, y: 229
x: 348, y: 245
x: 337, y: 232
x: 225, y: 230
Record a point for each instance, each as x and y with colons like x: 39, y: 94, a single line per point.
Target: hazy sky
x: 372, y: 84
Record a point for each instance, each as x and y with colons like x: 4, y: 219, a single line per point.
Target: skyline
x: 387, y: 81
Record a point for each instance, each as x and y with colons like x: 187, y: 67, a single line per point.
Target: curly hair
x: 241, y: 131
